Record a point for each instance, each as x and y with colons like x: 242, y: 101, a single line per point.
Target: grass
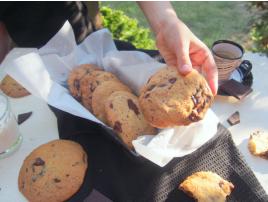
x: 210, y: 21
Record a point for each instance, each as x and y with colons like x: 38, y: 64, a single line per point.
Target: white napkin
x: 44, y: 72
x: 178, y: 141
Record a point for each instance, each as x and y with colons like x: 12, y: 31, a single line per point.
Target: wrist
x: 158, y: 13
x: 167, y: 20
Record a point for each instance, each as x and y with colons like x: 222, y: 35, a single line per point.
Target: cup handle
x: 245, y: 68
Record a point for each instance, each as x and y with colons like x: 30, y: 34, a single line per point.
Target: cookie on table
x: 124, y: 115
x: 12, y: 88
x: 102, y: 93
x: 206, y: 186
x: 89, y: 84
x: 76, y: 76
x: 53, y: 172
x: 170, y: 99
x: 258, y: 144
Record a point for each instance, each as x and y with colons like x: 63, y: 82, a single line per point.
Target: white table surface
x: 41, y: 127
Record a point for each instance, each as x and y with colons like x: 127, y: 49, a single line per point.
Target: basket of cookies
x: 147, y: 105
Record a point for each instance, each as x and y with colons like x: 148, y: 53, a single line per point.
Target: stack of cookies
x: 168, y: 99
x: 111, y: 101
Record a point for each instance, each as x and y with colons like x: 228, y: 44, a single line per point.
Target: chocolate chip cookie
x: 12, y: 88
x: 102, y: 93
x: 258, y: 144
x: 124, y: 115
x: 170, y: 99
x: 90, y: 82
x: 53, y: 171
x: 207, y: 187
x: 75, y: 77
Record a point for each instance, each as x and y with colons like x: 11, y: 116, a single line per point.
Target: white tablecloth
x: 41, y: 127
x: 253, y: 115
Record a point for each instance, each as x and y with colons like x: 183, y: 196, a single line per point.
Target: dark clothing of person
x: 32, y: 24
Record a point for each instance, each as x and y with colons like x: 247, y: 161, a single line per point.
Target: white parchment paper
x: 44, y: 72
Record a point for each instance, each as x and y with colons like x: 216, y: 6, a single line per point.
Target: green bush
x: 125, y: 28
x: 259, y: 31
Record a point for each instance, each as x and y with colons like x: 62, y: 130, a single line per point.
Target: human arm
x: 177, y: 44
x: 5, y: 42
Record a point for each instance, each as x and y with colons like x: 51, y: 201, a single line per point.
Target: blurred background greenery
x: 243, y: 22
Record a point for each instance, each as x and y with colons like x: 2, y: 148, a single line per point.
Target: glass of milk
x: 10, y: 138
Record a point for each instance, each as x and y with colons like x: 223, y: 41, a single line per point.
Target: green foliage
x: 126, y: 29
x: 209, y: 21
x: 259, y: 31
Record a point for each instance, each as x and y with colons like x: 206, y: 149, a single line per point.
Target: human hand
x: 177, y: 44
x: 182, y: 49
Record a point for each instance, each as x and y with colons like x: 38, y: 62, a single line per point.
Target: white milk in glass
x: 10, y: 137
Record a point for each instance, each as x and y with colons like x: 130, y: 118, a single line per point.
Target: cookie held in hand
x: 170, y: 99
x: 53, y: 172
x: 206, y: 186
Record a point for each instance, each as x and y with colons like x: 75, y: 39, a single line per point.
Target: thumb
x: 183, y: 60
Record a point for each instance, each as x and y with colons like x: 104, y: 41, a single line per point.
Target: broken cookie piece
x: 258, y: 144
x: 206, y: 186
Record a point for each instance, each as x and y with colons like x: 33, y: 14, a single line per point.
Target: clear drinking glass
x: 10, y: 137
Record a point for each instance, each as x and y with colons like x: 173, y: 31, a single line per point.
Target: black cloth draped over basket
x: 121, y: 176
